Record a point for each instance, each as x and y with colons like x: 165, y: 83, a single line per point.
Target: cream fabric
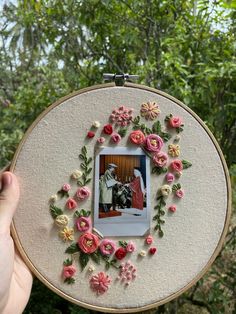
x: 50, y: 154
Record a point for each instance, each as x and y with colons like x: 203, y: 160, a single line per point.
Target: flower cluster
x: 127, y: 272
x: 100, y: 283
x: 122, y: 116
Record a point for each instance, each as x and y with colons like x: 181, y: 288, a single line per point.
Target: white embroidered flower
x: 177, y: 138
x: 96, y: 124
x: 143, y: 253
x: 62, y: 220
x: 53, y: 198
x: 165, y: 190
x: 76, y: 174
x: 91, y: 268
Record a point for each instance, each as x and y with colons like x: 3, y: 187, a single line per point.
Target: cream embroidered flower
x: 67, y: 234
x: 174, y: 150
x: 150, y: 110
x: 143, y: 253
x: 53, y: 198
x: 165, y: 190
x: 96, y: 124
x: 76, y: 174
x: 91, y: 268
x: 177, y: 138
x: 62, y: 220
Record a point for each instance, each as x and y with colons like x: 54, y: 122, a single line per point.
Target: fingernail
x: 6, y: 180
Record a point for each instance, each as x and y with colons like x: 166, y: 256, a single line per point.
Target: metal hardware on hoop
x: 119, y: 79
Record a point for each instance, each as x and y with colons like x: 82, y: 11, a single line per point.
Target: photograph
x: 122, y: 188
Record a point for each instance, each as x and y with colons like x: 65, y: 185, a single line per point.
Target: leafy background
x: 185, y: 48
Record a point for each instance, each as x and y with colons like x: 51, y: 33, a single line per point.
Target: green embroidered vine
x: 85, y: 179
x: 160, y: 213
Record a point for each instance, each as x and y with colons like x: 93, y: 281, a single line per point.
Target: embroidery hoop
x: 218, y: 247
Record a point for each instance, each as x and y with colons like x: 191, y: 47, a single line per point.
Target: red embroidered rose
x: 90, y: 134
x: 71, y: 203
x: 107, y: 129
x: 175, y: 122
x: 120, y: 253
x: 88, y: 242
x: 152, y: 250
x: 137, y: 137
x: 176, y: 165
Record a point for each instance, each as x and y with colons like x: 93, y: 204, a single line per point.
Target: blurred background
x: 49, y: 48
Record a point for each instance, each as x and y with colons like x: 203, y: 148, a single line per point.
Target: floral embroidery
x: 108, y: 129
x: 165, y: 190
x: 174, y: 150
x: 127, y: 273
x: 130, y: 248
x: 179, y: 193
x: 142, y: 253
x: 90, y: 134
x: 150, y: 110
x: 83, y: 193
x: 176, y: 165
x: 83, y: 224
x: 100, y: 283
x: 122, y: 116
x: 177, y: 138
x: 172, y: 208
x: 68, y: 271
x: 149, y: 239
x: 107, y: 247
x: 71, y: 203
x: 76, y: 174
x: 175, y: 122
x: 53, y: 198
x: 88, y: 242
x: 160, y: 159
x: 66, y: 187
x: 116, y: 138
x: 120, y: 253
x: 96, y: 124
x: 101, y: 140
x: 137, y: 137
x: 67, y: 234
x: 91, y: 268
x: 178, y: 190
x: 61, y: 220
x: 152, y: 250
x: 153, y: 143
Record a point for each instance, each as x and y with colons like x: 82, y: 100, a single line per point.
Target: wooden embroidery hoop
x: 199, y: 275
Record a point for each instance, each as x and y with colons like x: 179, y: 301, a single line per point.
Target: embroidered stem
x: 160, y: 213
x: 85, y: 179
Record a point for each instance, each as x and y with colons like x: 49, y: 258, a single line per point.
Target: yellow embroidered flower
x: 174, y: 150
x: 67, y: 234
x: 62, y: 220
x: 150, y: 110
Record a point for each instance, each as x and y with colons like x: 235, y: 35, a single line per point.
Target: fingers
x: 9, y: 197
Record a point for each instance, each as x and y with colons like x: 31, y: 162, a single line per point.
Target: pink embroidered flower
x: 88, y: 242
x: 83, y: 224
x: 100, y: 283
x: 160, y: 159
x: 101, y: 140
x: 175, y: 122
x: 107, y: 247
x: 153, y: 143
x: 149, y: 239
x: 71, y: 203
x: 130, y: 247
x: 172, y: 208
x: 150, y: 110
x: 90, y: 134
x: 170, y: 177
x: 68, y: 271
x: 137, y: 137
x: 83, y: 193
x: 116, y: 138
x: 152, y: 250
x: 108, y: 129
x: 127, y: 272
x: 66, y: 187
x: 122, y: 116
x: 179, y: 193
x: 120, y: 253
x: 176, y: 165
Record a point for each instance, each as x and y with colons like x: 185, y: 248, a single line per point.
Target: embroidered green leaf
x: 84, y: 150
x: 85, y: 167
x: 148, y: 131
x: 87, y: 181
x: 67, y: 262
x: 160, y: 233
x: 83, y: 259
x: 176, y: 187
x: 80, y: 183
x: 180, y: 129
x: 89, y: 160
x: 96, y: 257
x: 160, y: 213
x: 159, y: 170
x: 186, y: 164
x: 122, y: 131
x: 123, y: 244
x: 55, y: 211
x: 156, y: 127
x: 136, y: 120
x: 73, y: 248
x: 63, y: 193
x: 82, y: 213
x: 70, y: 280
x: 167, y: 118
x: 88, y: 171
x: 81, y: 156
x: 165, y: 136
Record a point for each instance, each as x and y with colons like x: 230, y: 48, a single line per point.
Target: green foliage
x: 185, y: 48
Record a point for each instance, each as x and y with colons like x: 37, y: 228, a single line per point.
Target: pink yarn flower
x: 83, y: 193
x: 100, y: 283
x: 150, y: 110
x: 176, y: 165
x: 170, y: 177
x: 101, y: 140
x: 172, y: 208
x: 88, y: 242
x: 175, y: 122
x: 130, y: 247
x: 160, y: 159
x: 107, y: 247
x: 71, y: 203
x: 122, y: 116
x: 149, y: 239
x: 83, y: 224
x: 179, y: 193
x: 66, y: 187
x: 116, y: 138
x: 153, y: 143
x: 137, y: 137
x: 127, y: 272
x: 68, y: 271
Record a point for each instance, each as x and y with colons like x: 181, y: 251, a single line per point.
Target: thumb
x: 9, y: 197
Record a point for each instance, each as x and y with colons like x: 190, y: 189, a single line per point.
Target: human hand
x: 16, y: 278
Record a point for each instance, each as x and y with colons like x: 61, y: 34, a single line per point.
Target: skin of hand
x: 16, y: 278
